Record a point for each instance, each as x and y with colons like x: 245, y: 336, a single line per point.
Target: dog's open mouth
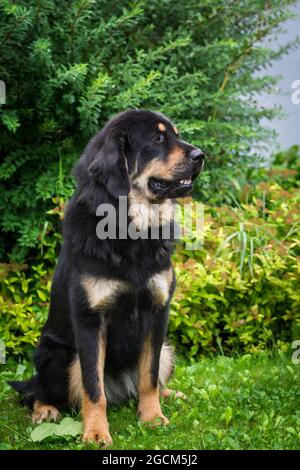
x: 171, y: 188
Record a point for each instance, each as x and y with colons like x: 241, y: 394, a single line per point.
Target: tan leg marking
x: 43, y: 412
x: 96, y: 428
x: 149, y: 406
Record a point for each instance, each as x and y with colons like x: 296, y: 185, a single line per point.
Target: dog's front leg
x: 91, y: 344
x: 148, y: 388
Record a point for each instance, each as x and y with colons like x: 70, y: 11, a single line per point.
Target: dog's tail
x: 26, y: 389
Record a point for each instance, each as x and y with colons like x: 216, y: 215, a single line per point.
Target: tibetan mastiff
x: 104, y: 340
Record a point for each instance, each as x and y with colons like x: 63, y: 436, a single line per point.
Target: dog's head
x: 142, y: 150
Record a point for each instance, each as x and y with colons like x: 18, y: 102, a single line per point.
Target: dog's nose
x: 196, y: 155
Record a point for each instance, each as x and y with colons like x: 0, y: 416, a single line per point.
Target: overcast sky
x: 289, y: 68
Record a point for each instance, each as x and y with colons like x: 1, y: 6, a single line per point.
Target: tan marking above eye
x: 175, y: 130
x: 162, y: 127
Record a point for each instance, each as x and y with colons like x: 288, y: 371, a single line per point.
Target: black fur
x: 124, y: 147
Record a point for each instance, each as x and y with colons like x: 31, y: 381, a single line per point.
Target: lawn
x: 247, y: 402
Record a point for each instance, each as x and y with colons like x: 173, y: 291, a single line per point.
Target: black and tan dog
x: 104, y: 340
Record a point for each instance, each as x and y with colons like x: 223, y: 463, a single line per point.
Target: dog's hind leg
x: 28, y: 391
x: 52, y: 359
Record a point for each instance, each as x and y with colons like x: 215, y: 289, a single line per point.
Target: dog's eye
x: 159, y: 139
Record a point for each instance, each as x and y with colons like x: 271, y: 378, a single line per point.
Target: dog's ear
x: 109, y: 167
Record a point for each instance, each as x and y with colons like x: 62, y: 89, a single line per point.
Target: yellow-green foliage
x: 25, y: 290
x: 23, y: 304
x: 241, y: 291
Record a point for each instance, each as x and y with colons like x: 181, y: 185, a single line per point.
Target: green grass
x: 248, y: 402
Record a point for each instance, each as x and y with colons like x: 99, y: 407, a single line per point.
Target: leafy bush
x: 68, y: 66
x: 221, y: 186
x: 25, y: 289
x: 241, y: 291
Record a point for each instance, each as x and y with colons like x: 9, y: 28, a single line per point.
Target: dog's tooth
x: 186, y: 181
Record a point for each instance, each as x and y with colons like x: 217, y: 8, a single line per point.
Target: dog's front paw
x: 157, y: 419
x: 99, y: 435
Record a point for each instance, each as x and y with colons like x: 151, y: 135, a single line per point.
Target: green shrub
x: 221, y: 186
x: 25, y: 289
x: 68, y: 66
x: 241, y: 291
